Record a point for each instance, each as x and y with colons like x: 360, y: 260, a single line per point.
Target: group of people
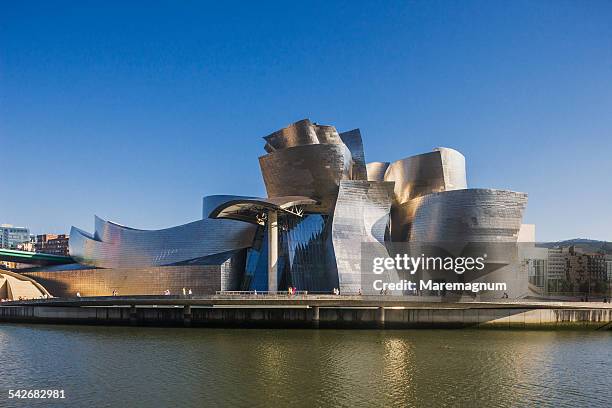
x: 43, y: 296
x: 19, y: 298
x: 186, y: 292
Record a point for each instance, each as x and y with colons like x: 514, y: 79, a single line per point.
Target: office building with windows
x: 11, y: 237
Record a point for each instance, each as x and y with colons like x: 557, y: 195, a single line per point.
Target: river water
x: 174, y: 367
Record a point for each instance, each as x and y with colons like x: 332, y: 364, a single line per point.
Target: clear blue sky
x: 135, y: 111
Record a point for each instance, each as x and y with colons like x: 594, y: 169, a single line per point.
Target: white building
x: 11, y: 236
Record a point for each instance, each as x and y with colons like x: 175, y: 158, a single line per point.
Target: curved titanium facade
x: 301, y: 133
x: 468, y: 222
x: 297, y: 134
x: 361, y: 217
x: 116, y: 246
x: 205, y: 278
x: 313, y: 171
x: 441, y: 170
x: 332, y: 211
x: 453, y: 166
x: 376, y: 170
x: 327, y: 134
x: 469, y: 215
x: 352, y: 140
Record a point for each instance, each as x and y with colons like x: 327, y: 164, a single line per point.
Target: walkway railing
x: 281, y: 294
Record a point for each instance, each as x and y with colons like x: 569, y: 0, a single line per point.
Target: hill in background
x: 588, y: 245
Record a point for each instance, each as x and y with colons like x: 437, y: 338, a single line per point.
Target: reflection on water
x: 113, y: 366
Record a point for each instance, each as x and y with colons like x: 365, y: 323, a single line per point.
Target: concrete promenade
x: 314, y: 311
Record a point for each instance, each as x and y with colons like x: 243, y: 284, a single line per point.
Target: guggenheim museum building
x: 325, y: 213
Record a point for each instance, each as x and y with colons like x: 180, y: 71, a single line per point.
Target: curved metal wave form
x: 453, y: 165
x: 440, y: 170
x: 116, y: 246
x: 361, y: 216
x: 352, y: 140
x: 470, y: 222
x: 376, y: 170
x: 313, y: 171
x: 301, y: 133
x: 470, y: 215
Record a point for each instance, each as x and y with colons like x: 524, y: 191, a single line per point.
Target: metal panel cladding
x: 313, y: 171
x: 301, y: 133
x: 469, y: 222
x: 471, y: 215
x: 376, y: 170
x: 154, y: 280
x: 361, y: 216
x: 297, y: 134
x: 352, y: 140
x: 441, y: 170
x: 116, y: 246
x: 327, y: 134
x: 453, y: 166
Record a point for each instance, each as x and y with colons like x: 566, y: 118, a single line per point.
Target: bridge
x: 33, y: 258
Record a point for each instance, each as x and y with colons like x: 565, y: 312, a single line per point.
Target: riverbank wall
x: 317, y: 317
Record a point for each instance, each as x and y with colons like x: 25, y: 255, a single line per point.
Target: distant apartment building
x: 556, y: 270
x: 586, y: 271
x: 574, y: 270
x: 11, y: 237
x: 28, y: 246
x: 567, y: 271
x: 596, y: 268
x: 52, y: 244
x: 577, y: 272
